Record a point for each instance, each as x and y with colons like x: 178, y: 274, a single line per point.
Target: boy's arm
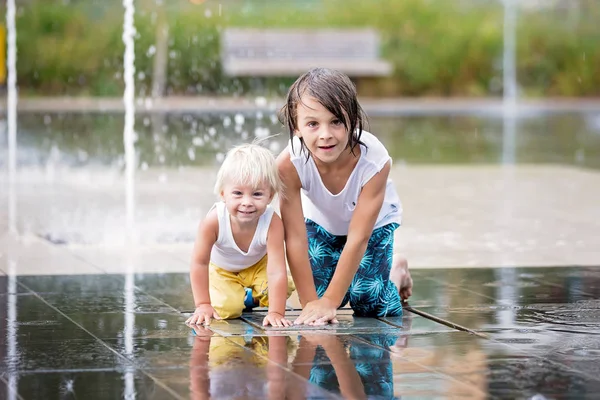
x: 276, y: 271
x: 206, y: 237
x: 296, y: 242
x: 363, y: 220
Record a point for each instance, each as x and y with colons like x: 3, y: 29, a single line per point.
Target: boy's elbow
x: 278, y: 277
x: 359, y: 239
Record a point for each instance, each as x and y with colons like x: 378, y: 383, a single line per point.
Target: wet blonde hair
x: 249, y: 164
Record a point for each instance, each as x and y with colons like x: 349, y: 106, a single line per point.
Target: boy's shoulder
x: 375, y: 149
x: 209, y: 226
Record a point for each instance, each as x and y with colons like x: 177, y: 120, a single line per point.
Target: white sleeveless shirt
x: 226, y: 254
x: 334, y: 212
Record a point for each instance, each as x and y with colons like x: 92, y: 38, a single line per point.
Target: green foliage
x: 437, y: 47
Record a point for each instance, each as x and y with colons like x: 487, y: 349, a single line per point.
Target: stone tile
x: 36, y: 322
x: 416, y: 345
x: 87, y: 303
x: 7, y: 386
x: 61, y: 354
x: 239, y: 381
x: 30, y: 255
x: 582, y: 316
x: 180, y: 251
x: 74, y: 284
x: 575, y: 351
x: 92, y: 385
x: 355, y: 351
x: 96, y: 293
x: 192, y: 351
x: 136, y: 260
x: 28, y: 247
x: 432, y: 385
x: 173, y: 289
x: 235, y: 327
x: 525, y: 377
x: 347, y: 324
x: 475, y: 317
x: 63, y: 264
x: 430, y: 292
x: 412, y: 324
x: 112, y: 325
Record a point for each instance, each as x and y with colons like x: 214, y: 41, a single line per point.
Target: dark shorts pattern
x: 377, y: 377
x: 371, y: 293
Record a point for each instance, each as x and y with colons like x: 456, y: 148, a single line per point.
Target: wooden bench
x: 291, y: 52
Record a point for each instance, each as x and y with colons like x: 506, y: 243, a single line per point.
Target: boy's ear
x: 297, y: 133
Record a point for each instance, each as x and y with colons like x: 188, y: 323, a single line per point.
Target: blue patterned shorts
x: 371, y: 293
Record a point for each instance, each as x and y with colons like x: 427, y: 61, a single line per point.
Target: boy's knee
x: 229, y: 311
x: 290, y: 287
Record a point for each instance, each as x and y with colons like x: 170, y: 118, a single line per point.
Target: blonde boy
x: 232, y: 242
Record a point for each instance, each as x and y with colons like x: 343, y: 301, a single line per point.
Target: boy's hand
x: 276, y: 320
x: 318, y: 312
x: 203, y: 315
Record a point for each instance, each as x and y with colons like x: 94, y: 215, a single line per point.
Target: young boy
x: 233, y: 241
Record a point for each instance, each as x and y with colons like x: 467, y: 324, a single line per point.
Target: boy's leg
x: 400, y: 275
x: 255, y: 277
x: 324, y: 250
x: 226, y: 292
x: 372, y: 293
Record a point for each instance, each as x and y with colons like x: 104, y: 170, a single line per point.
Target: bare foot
x: 400, y: 276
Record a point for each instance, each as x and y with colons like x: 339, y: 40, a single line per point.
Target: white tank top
x: 226, y: 254
x: 333, y: 212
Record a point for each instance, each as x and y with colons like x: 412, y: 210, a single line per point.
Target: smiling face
x: 246, y: 203
x: 323, y: 134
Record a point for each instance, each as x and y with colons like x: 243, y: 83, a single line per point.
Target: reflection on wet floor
x: 123, y: 336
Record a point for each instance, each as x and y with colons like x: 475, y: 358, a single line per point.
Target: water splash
x: 129, y: 101
x: 510, y: 82
x: 12, y: 113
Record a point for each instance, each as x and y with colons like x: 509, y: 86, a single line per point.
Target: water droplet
x: 260, y: 101
x: 220, y: 157
x: 151, y: 51
x: 198, y: 141
x: 191, y: 153
x: 82, y: 155
x: 275, y: 146
x: 212, y: 131
x: 226, y: 121
x: 239, y: 119
x: 261, y: 132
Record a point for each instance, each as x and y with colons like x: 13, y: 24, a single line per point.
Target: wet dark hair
x: 336, y: 92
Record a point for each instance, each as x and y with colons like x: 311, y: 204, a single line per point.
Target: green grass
x: 437, y: 47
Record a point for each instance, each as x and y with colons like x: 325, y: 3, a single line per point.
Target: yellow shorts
x: 228, y: 289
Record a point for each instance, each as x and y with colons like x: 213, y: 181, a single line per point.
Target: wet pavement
x: 99, y: 334
x: 91, y: 310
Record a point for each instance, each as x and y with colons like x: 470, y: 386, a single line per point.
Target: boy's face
x: 245, y: 203
x: 323, y: 133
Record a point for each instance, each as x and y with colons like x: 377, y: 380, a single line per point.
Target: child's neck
x: 243, y: 226
x: 346, y: 160
x: 243, y: 233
